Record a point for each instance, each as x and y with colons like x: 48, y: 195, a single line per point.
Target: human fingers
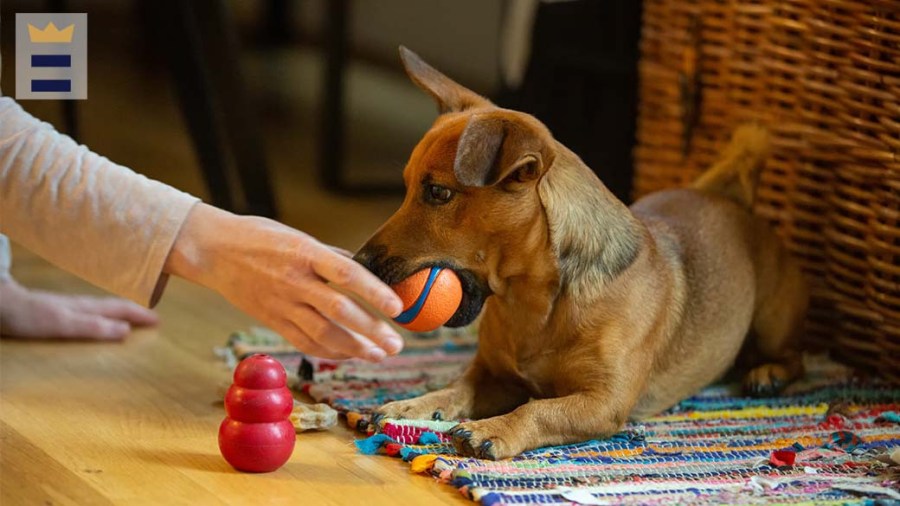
x: 344, y: 311
x: 115, y: 308
x: 331, y: 336
x: 355, y: 278
x: 300, y: 340
x: 341, y: 251
x: 76, y: 325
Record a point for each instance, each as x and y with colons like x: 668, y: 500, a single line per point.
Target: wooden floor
x: 136, y: 423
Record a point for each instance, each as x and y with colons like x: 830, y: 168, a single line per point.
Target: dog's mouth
x: 394, y: 269
x: 474, y: 293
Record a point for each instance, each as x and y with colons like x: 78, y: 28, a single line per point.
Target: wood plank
x: 29, y: 475
x: 136, y: 422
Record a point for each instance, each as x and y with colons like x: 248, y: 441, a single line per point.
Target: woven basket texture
x: 824, y: 77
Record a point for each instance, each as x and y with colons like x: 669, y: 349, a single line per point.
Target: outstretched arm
x: 127, y: 233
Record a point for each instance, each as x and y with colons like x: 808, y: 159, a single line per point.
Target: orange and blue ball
x: 430, y: 298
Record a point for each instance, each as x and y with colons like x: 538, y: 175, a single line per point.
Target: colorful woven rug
x: 830, y: 439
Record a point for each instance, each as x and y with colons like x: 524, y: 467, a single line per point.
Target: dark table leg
x: 332, y: 113
x: 279, y: 18
x: 331, y: 146
x: 192, y: 84
x: 203, y: 49
x: 242, y: 127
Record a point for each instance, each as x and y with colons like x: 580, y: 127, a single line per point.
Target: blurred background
x: 300, y: 110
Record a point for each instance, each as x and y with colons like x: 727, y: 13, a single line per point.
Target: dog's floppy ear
x: 449, y: 95
x: 496, y: 147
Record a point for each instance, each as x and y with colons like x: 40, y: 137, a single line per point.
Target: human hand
x: 287, y: 280
x: 35, y: 314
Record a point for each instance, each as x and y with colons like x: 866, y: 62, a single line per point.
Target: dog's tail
x: 736, y: 173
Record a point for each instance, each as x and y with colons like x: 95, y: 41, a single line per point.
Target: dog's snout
x: 368, y: 256
x: 364, y: 258
x: 388, y: 267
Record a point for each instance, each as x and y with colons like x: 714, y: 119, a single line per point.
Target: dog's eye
x: 435, y: 194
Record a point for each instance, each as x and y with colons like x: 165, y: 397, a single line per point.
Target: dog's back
x: 709, y: 230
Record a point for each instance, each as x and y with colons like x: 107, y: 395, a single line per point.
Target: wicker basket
x: 824, y: 75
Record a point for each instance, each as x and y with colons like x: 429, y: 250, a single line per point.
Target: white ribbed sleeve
x: 89, y: 216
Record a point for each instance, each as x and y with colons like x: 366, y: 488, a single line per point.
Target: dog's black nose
x: 374, y: 257
x: 368, y: 256
x: 362, y: 256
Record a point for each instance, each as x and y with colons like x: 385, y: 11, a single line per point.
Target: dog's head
x: 471, y: 194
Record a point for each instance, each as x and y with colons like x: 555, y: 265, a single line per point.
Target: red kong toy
x: 257, y: 436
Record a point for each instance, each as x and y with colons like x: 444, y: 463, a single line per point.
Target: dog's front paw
x: 411, y: 408
x: 490, y: 439
x: 440, y: 405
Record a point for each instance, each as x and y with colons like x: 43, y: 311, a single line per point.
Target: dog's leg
x: 776, y: 333
x: 542, y: 422
x: 772, y: 377
x: 476, y: 394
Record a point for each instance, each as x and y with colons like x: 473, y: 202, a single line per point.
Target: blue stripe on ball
x: 411, y: 313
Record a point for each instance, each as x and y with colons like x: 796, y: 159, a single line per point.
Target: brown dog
x: 593, y: 312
